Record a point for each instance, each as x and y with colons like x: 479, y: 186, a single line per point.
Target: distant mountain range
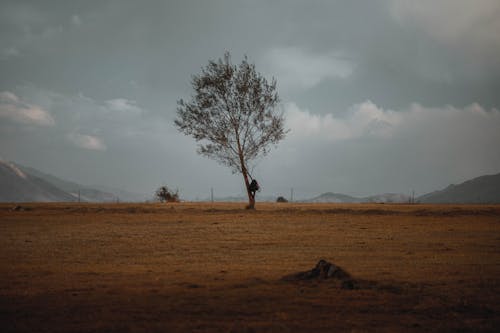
x: 342, y: 198
x: 484, y: 189
x: 24, y: 184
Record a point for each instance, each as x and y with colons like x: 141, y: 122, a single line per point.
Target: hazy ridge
x: 25, y: 184
x: 483, y: 189
x: 19, y: 186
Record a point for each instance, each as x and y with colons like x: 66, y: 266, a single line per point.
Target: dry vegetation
x: 218, y: 268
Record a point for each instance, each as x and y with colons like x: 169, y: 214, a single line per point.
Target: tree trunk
x: 251, y: 198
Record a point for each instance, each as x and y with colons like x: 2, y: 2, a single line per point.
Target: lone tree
x: 233, y: 115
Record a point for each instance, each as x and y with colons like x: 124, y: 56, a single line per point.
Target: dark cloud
x: 104, y: 76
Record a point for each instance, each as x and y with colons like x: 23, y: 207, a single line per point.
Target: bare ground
x: 218, y: 268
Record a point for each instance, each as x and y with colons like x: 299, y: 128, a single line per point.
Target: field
x: 195, y: 267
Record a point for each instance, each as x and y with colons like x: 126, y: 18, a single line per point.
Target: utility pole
x: 212, y: 194
x: 78, y: 195
x: 412, y: 197
x: 291, y: 194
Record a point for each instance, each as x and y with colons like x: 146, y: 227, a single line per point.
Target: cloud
x: 298, y: 68
x: 15, y: 109
x: 76, y: 20
x: 123, y: 105
x: 361, y: 120
x: 433, y: 125
x: 469, y: 28
x: 8, y: 97
x: 91, y: 124
x: 9, y: 52
x: 369, y: 149
x: 87, y: 141
x: 78, y: 113
x: 451, y: 20
x: 303, y: 124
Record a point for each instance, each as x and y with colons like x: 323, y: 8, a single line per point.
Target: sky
x: 379, y: 96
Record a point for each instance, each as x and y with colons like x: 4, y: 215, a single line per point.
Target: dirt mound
x: 324, y: 270
x: 21, y: 208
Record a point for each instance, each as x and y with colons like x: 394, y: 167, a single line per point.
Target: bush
x: 281, y: 199
x: 164, y: 194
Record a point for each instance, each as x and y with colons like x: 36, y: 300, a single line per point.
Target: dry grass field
x: 194, y: 267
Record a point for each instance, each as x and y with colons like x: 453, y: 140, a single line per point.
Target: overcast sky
x: 380, y: 96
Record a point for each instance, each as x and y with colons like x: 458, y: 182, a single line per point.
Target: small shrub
x: 281, y: 199
x: 164, y: 194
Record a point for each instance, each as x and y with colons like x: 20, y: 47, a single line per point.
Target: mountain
x: 57, y: 182
x: 19, y: 186
x: 239, y: 198
x: 484, y: 189
x: 387, y: 198
x: 25, y: 184
x: 333, y: 197
x: 343, y: 198
x: 86, y: 194
x: 122, y: 195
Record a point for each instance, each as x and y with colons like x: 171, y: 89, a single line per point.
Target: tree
x: 233, y: 115
x: 164, y: 194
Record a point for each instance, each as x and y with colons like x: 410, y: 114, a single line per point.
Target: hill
x: 19, y: 186
x: 484, y: 189
x: 333, y: 197
x: 25, y: 184
x: 93, y: 193
x: 343, y: 198
x: 86, y: 194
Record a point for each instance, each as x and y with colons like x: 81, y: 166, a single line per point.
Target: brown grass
x: 218, y: 268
